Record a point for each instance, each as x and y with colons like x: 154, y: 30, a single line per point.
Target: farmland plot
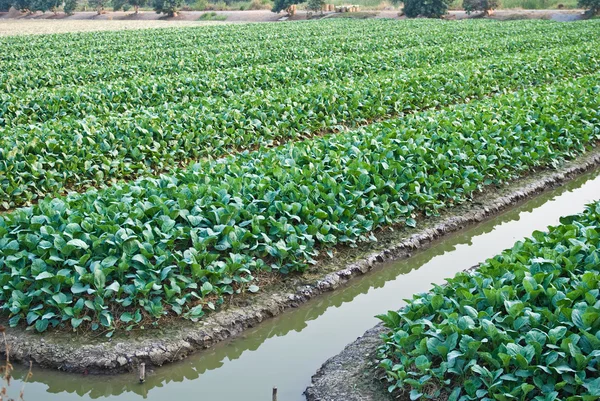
x: 95, y: 114
x: 250, y: 182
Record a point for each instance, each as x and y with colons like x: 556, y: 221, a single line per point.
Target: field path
x: 14, y: 23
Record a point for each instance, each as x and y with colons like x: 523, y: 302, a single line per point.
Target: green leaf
x: 41, y: 325
x: 77, y: 243
x: 44, y: 275
x: 593, y: 386
x: 99, y: 279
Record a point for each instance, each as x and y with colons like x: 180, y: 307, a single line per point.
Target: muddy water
x: 287, y: 350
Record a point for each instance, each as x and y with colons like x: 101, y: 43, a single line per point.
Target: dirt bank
x: 15, y: 23
x: 351, y: 375
x: 171, y: 342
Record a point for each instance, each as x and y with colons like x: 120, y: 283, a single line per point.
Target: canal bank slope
x: 351, y: 375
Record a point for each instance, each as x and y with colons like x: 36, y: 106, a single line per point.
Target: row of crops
x: 164, y: 245
x: 93, y: 114
x: 462, y: 106
x: 525, y: 326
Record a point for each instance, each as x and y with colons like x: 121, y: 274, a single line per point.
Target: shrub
x: 592, y: 5
x: 525, y: 326
x: 212, y: 16
x: 425, y: 8
x: 480, y: 5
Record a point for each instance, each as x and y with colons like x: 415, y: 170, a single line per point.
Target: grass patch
x: 212, y: 16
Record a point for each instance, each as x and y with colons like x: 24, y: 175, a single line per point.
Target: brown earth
x: 16, y: 23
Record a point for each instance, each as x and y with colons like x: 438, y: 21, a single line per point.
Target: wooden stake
x: 142, y: 372
x: 274, y: 393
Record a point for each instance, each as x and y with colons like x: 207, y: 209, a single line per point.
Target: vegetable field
x: 526, y: 325
x: 199, y: 158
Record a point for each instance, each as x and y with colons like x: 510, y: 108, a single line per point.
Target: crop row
x: 158, y: 56
x: 71, y: 153
x: 101, y: 57
x: 525, y: 326
x: 141, y: 92
x: 169, y: 244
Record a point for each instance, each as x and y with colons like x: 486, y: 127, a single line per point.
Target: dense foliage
x: 480, y: 5
x: 69, y: 6
x: 280, y: 5
x: 315, y: 5
x: 176, y: 243
x: 168, y: 7
x: 95, y: 113
x: 525, y: 326
x: 425, y: 8
x: 592, y: 5
x: 99, y: 5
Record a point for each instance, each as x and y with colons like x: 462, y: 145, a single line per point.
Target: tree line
x: 169, y: 7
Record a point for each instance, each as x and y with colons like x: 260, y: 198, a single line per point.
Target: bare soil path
x: 16, y: 23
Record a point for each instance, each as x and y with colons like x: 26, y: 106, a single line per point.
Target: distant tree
x: 47, y: 5
x: 118, y: 4
x: 40, y: 5
x: 99, y: 5
x: 593, y: 6
x: 23, y: 5
x: 280, y: 5
x: 136, y: 4
x: 425, y: 8
x: 315, y: 5
x: 5, y: 5
x: 480, y: 5
x: 69, y: 6
x: 168, y: 7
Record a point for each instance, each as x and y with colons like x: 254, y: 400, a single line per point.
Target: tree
x: 23, y: 5
x: 118, y: 4
x: 425, y: 8
x: 98, y: 5
x: 315, y: 5
x: 480, y: 5
x: 69, y: 6
x: 136, y: 4
x: 280, y: 5
x: 5, y: 5
x: 46, y: 5
x: 169, y: 7
x: 593, y: 6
